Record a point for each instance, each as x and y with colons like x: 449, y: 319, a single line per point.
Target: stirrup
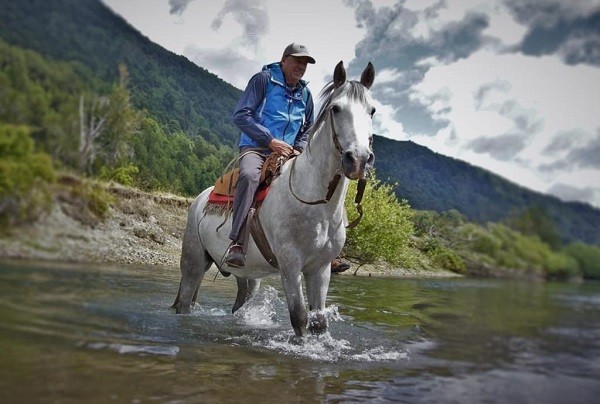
x: 235, y: 257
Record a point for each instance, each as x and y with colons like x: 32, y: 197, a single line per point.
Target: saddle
x: 224, y: 189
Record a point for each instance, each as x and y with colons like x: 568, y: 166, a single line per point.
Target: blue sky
x: 512, y: 86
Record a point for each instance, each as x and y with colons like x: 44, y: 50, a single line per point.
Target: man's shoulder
x: 262, y: 76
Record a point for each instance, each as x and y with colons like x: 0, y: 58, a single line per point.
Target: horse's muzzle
x: 356, y: 164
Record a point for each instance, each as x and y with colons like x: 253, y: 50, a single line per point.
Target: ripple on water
x: 134, y: 349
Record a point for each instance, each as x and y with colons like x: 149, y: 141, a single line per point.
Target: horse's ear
x: 368, y: 76
x: 339, y: 75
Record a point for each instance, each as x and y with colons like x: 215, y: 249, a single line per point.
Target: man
x: 274, y: 115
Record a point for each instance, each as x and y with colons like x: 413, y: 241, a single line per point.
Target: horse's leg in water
x: 194, y: 262
x: 246, y: 289
x: 292, y: 285
x: 317, y: 284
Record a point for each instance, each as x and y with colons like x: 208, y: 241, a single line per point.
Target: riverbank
x: 139, y: 228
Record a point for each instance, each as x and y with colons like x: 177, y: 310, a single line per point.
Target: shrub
x: 124, y: 175
x: 448, y: 259
x: 560, y: 265
x: 24, y: 177
x: 588, y: 258
x: 385, y: 230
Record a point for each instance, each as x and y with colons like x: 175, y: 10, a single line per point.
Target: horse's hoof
x: 183, y: 310
x: 317, y: 324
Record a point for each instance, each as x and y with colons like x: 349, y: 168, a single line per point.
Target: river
x: 98, y: 334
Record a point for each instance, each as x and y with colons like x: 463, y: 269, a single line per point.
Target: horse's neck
x: 317, y: 166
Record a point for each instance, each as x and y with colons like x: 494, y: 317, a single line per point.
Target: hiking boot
x: 339, y: 265
x: 235, y: 256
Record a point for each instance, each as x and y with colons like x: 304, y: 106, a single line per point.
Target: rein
x: 332, y: 186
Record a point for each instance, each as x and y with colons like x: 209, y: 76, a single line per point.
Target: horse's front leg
x: 292, y: 285
x: 317, y: 285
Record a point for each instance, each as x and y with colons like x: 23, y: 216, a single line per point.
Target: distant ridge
x: 431, y: 181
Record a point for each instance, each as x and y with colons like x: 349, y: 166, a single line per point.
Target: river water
x: 72, y: 333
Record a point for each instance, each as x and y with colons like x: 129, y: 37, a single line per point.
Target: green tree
x: 535, y: 221
x: 122, y: 123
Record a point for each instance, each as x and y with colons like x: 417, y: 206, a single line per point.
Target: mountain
x: 181, y: 95
x: 431, y: 181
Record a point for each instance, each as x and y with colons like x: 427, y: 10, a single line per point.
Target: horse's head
x: 349, y: 109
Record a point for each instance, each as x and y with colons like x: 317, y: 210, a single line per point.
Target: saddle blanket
x: 224, y: 200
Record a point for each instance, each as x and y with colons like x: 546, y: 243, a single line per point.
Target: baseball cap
x: 295, y: 49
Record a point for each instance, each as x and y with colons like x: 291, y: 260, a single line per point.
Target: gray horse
x: 304, y: 236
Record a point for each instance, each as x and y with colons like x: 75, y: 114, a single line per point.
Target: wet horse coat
x: 304, y: 238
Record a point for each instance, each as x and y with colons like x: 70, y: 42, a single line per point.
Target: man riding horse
x: 274, y: 115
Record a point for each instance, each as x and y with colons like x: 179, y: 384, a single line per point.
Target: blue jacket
x: 269, y: 109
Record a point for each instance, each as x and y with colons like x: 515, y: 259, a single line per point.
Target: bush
x: 24, y: 177
x: 95, y: 198
x: 560, y: 265
x: 588, y: 258
x: 385, y: 230
x: 124, y: 175
x: 448, y: 259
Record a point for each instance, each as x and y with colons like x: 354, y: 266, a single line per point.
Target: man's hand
x: 280, y: 147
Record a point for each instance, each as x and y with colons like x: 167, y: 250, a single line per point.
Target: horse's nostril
x: 371, y: 158
x: 349, y: 157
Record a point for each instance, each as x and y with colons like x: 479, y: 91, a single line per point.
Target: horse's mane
x: 352, y: 89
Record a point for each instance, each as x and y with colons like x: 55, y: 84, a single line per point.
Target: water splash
x: 261, y: 310
x: 325, y: 348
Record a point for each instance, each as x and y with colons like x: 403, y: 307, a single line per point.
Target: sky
x: 512, y: 86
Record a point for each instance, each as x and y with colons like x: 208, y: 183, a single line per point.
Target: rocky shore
x: 140, y: 228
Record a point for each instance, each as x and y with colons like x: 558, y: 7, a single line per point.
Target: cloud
x: 232, y: 66
x: 396, y: 39
x: 563, y: 141
x: 252, y: 15
x: 577, y: 151
x: 178, y: 6
x: 486, y: 90
x: 504, y: 147
x: 570, y: 193
x: 570, y: 29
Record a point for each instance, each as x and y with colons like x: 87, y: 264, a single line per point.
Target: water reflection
x: 71, y: 333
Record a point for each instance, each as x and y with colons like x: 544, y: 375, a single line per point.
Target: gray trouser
x: 250, y: 167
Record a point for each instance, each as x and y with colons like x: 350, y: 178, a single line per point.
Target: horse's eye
x: 373, y: 111
x: 336, y: 109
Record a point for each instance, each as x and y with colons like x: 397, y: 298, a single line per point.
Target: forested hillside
x: 176, y: 92
x: 430, y: 181
x: 100, y: 135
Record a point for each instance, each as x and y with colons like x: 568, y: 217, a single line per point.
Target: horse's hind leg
x: 317, y: 284
x: 246, y: 289
x: 194, y: 262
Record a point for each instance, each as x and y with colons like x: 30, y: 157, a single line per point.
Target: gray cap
x: 295, y: 49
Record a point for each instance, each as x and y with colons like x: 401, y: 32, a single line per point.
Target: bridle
x: 332, y: 186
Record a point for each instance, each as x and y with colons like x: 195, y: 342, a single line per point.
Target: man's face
x: 293, y: 68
